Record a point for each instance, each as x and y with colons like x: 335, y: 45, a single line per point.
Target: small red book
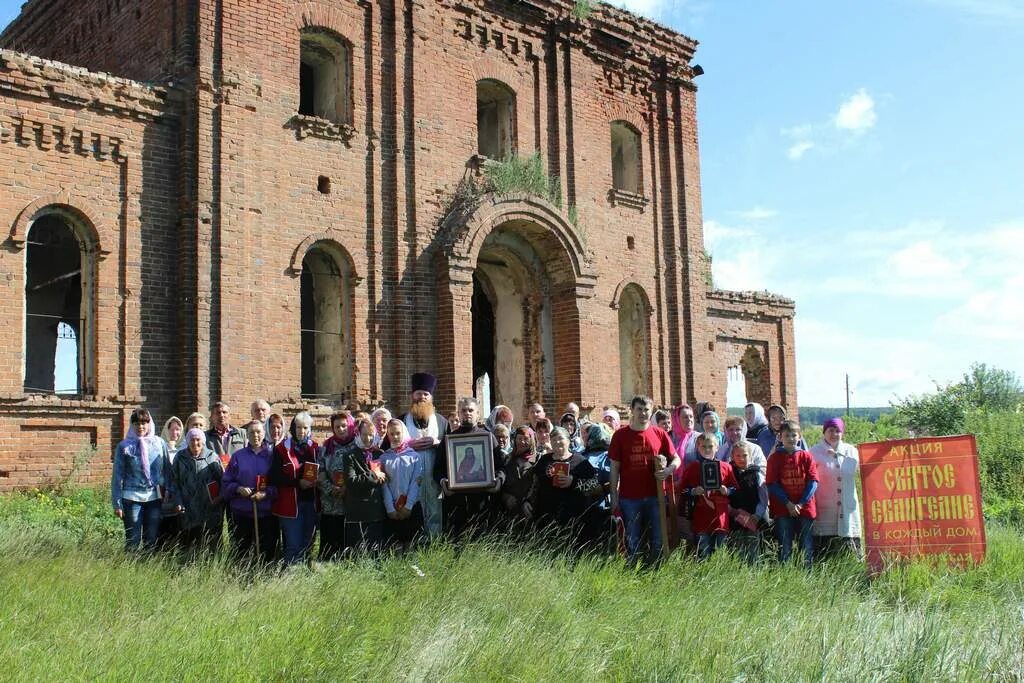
x: 559, y: 468
x: 375, y: 465
x: 309, y: 470
x: 338, y: 478
x: 402, y: 500
x: 261, y: 483
x: 213, y: 488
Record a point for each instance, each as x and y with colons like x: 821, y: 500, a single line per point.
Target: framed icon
x: 470, y: 463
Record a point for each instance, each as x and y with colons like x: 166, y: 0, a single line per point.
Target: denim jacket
x: 127, y: 481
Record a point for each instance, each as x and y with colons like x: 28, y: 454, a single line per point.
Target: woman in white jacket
x: 837, y: 528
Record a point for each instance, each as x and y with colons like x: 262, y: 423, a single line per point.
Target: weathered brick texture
x: 197, y: 191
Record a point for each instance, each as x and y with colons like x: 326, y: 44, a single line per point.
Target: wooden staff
x: 660, y: 486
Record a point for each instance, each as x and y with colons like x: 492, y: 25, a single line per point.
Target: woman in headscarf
x: 568, y: 422
x: 757, y: 421
x: 380, y: 419
x: 518, y: 486
x: 711, y: 424
x: 195, y: 487
x: 293, y: 473
x: 172, y: 434
x: 249, y: 497
x: 837, y: 527
x: 364, y: 495
x: 500, y: 415
x: 137, y: 479
x: 684, y: 436
x: 565, y: 485
x: 610, y: 416
x: 331, y: 481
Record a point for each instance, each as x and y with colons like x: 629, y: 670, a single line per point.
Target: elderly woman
x: 757, y: 421
x: 293, y: 473
x: 331, y: 481
x: 769, y: 439
x: 503, y: 437
x: 517, y: 489
x: 139, y: 467
x: 566, y: 485
x: 837, y: 527
x: 598, y: 438
x: 610, y: 416
x: 255, y: 530
x: 501, y: 415
x: 404, y: 469
x: 380, y: 419
x: 364, y: 495
x: 195, y: 487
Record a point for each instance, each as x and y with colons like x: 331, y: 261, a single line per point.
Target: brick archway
x: 552, y: 253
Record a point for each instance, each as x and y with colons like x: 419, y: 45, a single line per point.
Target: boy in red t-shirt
x: 711, y: 506
x: 642, y: 457
x: 792, y: 479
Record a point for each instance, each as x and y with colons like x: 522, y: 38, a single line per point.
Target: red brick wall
x: 220, y: 164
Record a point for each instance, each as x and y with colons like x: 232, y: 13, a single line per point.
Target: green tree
x: 945, y: 411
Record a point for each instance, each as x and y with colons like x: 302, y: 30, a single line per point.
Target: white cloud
x: 857, y: 113
x: 996, y: 314
x: 796, y: 152
x: 758, y: 213
x: 855, y: 116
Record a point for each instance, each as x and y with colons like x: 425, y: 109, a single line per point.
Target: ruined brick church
x: 300, y: 200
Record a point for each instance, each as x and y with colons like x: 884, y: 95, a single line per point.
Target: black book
x: 710, y: 475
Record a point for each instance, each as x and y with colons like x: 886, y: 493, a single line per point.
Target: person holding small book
x: 566, y: 484
x: 195, y: 487
x: 331, y: 481
x: 404, y: 469
x: 364, y: 496
x: 517, y: 478
x: 748, y: 504
x: 138, y: 475
x: 709, y: 482
x: 255, y: 530
x: 792, y: 481
x: 293, y: 473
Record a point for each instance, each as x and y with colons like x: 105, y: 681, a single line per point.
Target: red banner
x: 922, y: 497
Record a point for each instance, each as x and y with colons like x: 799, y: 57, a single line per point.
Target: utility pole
x: 847, y: 395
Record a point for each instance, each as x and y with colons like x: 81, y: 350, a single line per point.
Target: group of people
x: 665, y: 478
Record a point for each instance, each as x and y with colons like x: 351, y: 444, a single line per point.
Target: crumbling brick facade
x: 199, y: 195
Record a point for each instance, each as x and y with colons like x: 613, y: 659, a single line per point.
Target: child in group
x: 710, y: 482
x: 792, y: 479
x: 404, y: 469
x: 749, y: 502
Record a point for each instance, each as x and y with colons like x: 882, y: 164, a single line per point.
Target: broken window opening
x: 55, y: 318
x: 626, y: 168
x: 495, y: 119
x: 634, y: 344
x: 325, y: 326
x: 325, y: 76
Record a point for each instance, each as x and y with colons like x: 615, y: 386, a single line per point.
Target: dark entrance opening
x: 307, y: 321
x: 483, y: 333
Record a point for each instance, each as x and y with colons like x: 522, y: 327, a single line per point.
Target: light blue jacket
x: 127, y: 481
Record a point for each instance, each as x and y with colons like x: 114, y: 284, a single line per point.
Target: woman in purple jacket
x: 249, y: 494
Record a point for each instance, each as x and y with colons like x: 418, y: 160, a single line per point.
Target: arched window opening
x: 326, y: 327
x: 495, y: 119
x: 626, y: 168
x: 55, y: 318
x: 634, y: 344
x: 325, y: 76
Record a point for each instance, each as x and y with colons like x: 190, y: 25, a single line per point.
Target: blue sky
x: 864, y: 158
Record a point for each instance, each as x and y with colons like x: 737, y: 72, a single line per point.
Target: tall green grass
x: 72, y: 605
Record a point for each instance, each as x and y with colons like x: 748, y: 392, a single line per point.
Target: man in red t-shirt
x: 792, y: 479
x: 642, y: 457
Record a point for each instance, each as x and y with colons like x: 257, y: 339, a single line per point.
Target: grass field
x: 73, y: 606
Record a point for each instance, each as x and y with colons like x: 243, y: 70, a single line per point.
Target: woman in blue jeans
x: 297, y: 504
x: 137, y: 481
